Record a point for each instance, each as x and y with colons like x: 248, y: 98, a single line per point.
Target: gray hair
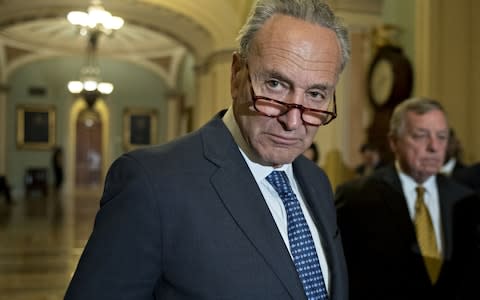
x: 313, y: 11
x: 418, y: 105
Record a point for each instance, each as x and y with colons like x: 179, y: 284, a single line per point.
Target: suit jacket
x: 360, y: 169
x: 383, y: 257
x: 469, y: 176
x: 466, y: 253
x: 459, y: 165
x: 186, y: 220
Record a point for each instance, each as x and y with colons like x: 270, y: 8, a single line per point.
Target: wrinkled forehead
x: 304, y: 43
x: 435, y: 120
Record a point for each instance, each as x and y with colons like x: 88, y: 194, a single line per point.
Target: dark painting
x: 140, y: 130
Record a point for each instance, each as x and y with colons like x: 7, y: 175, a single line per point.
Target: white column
x: 3, y: 132
x: 447, y: 64
x: 174, y: 115
x: 427, y: 43
x: 3, y: 111
x: 213, y: 86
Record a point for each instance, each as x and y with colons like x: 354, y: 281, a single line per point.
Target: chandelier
x: 93, y: 24
x: 96, y: 19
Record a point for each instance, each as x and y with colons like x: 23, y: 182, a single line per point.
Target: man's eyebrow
x: 320, y: 86
x: 263, y: 74
x: 420, y: 129
x: 426, y: 130
x: 277, y: 75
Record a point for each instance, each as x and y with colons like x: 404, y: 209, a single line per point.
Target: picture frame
x: 139, y: 128
x: 36, y: 127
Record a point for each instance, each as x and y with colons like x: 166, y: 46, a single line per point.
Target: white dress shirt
x: 448, y: 167
x: 273, y: 200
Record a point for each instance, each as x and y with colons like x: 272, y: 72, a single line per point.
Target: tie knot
x: 420, y: 191
x: 279, y: 181
x: 420, y: 203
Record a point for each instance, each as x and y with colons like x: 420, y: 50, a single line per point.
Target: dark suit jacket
x: 360, y: 170
x: 187, y: 220
x: 466, y: 254
x: 383, y: 256
x: 459, y: 166
x: 469, y: 176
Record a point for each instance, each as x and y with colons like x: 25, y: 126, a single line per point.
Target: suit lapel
x: 397, y: 203
x: 317, y: 196
x: 242, y: 198
x: 448, y: 196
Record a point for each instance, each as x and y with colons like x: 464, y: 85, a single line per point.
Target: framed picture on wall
x: 139, y: 128
x: 35, y: 127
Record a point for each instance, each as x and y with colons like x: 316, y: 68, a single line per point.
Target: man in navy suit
x: 197, y: 218
x: 390, y: 252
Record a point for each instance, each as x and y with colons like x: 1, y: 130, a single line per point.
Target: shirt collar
x: 408, y: 183
x: 448, y: 167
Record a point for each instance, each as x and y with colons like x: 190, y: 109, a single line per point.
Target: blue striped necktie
x: 301, y: 243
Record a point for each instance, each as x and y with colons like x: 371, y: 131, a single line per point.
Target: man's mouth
x: 283, y: 140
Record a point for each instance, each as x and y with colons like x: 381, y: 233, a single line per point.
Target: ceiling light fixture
x: 93, y: 24
x: 96, y: 19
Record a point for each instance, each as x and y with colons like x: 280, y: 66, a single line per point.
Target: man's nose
x: 434, y: 144
x: 293, y: 118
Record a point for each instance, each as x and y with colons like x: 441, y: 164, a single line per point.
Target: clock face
x: 382, y: 81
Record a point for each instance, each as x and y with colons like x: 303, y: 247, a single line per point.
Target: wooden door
x: 88, y: 160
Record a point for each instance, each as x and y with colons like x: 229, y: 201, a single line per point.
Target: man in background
x: 397, y: 224
x: 5, y: 189
x: 371, y: 160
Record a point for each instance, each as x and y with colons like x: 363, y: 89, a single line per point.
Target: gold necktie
x: 426, y: 237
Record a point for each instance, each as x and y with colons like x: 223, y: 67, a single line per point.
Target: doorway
x: 88, y: 157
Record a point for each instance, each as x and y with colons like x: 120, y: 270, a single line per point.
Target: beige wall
x: 3, y: 133
x: 471, y: 137
x: 447, y: 66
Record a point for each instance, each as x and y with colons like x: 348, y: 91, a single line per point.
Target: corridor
x: 41, y: 240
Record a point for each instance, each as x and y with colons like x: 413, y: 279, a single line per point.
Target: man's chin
x: 426, y: 173
x: 277, y: 160
x: 432, y: 170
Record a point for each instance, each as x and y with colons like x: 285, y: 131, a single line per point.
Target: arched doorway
x: 88, y: 149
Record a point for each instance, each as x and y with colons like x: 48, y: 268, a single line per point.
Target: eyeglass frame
x: 291, y: 106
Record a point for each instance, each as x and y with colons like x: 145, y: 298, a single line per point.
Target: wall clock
x: 390, y: 77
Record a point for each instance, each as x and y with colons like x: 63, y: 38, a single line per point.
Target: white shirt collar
x: 409, y: 183
x: 448, y: 167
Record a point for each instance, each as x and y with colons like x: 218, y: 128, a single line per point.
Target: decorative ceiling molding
x: 13, y: 53
x: 164, y: 62
x: 153, y: 28
x: 36, y: 30
x: 220, y: 18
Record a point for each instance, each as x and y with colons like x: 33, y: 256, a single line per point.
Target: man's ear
x: 235, y: 78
